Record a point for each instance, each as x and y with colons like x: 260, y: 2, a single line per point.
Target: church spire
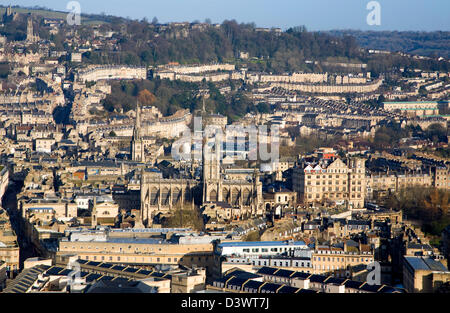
x: 137, y: 144
x: 137, y: 126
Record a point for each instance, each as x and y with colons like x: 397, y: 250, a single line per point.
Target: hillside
x: 433, y: 44
x: 47, y: 13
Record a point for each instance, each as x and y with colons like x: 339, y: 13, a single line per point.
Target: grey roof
x: 358, y: 222
x: 412, y: 245
x: 138, y: 240
x: 428, y: 264
x: 26, y: 279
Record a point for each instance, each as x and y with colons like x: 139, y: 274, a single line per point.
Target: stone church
x: 163, y: 195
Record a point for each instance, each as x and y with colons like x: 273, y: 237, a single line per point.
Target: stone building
x: 321, y: 180
x: 164, y: 195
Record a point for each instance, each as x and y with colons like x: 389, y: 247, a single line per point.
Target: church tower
x: 30, y: 33
x: 94, y: 213
x: 211, y: 169
x: 137, y: 144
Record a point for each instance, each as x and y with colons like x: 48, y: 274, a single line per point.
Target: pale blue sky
x: 428, y: 15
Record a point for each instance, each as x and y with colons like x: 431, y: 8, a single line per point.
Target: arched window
x: 176, y: 197
x: 165, y: 196
x: 154, y: 196
x: 226, y: 195
x: 247, y: 197
x: 212, y: 195
x: 235, y: 195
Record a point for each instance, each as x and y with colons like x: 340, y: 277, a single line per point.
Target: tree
x: 427, y: 205
x: 146, y: 98
x: 380, y: 100
x: 436, y: 204
x: 155, y: 20
x: 436, y: 132
x: 422, y: 91
x: 253, y: 236
x: 263, y: 107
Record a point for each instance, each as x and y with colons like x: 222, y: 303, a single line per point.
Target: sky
x: 400, y: 15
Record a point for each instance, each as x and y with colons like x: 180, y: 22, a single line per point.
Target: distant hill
x: 48, y: 13
x: 421, y: 43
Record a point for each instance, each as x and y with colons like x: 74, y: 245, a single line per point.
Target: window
x: 246, y: 250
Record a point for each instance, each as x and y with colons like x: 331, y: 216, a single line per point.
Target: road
x: 9, y: 202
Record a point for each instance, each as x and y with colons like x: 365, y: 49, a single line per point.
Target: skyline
x: 400, y: 15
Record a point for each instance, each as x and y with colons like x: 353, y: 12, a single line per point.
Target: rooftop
x: 426, y: 264
x: 261, y: 243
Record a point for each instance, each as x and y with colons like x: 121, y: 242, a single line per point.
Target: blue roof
x: 47, y: 209
x: 236, y: 281
x: 270, y: 287
x: 243, y: 274
x: 301, y: 275
x: 288, y: 289
x: 428, y: 264
x: 131, y: 269
x: 284, y: 273
x: 92, y: 277
x: 260, y: 243
x: 267, y: 270
x: 138, y: 240
x: 307, y: 291
x: 144, y: 272
x: 253, y: 284
x: 118, y: 268
x: 54, y: 270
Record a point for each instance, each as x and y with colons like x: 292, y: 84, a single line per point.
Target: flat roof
x: 409, y: 102
x: 260, y: 243
x: 138, y: 240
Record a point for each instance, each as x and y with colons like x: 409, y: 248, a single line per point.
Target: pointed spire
x: 137, y: 126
